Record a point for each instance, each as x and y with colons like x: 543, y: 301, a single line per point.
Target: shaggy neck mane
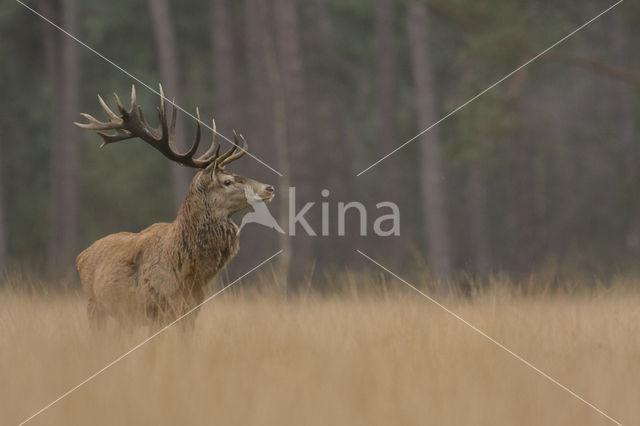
x: 203, y: 238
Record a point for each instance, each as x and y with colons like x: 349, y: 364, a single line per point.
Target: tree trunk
x: 267, y: 94
x: 386, y: 56
x: 169, y: 64
x: 478, y: 219
x: 257, y: 36
x: 51, y: 42
x: 525, y: 223
x: 330, y: 106
x: 431, y: 171
x: 223, y: 68
x: 288, y: 43
x: 280, y: 136
x: 524, y: 188
x: 626, y: 114
x: 64, y: 141
x: 386, y: 79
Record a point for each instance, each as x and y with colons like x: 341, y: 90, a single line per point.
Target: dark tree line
x: 541, y: 172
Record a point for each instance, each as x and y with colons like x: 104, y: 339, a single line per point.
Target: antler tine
x: 112, y: 115
x: 161, y: 97
x: 196, y: 142
x: 93, y: 123
x: 245, y: 145
x: 172, y: 126
x: 133, y: 98
x: 136, y: 115
x: 123, y: 111
x: 242, y: 150
x: 223, y: 158
x: 140, y: 114
x: 162, y: 117
x: 120, y: 135
x: 207, y: 157
x: 236, y: 146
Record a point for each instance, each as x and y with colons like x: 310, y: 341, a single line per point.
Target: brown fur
x: 163, y: 271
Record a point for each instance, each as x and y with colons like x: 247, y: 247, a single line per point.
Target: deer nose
x: 269, y: 189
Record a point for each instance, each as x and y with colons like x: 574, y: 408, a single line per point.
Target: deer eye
x: 227, y: 182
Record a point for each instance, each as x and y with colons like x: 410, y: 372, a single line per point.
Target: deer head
x: 216, y: 187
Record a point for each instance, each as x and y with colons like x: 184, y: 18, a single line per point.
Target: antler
x: 131, y: 124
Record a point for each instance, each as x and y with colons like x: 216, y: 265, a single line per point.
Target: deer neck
x: 204, y: 239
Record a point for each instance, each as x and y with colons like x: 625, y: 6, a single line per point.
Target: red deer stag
x: 163, y: 271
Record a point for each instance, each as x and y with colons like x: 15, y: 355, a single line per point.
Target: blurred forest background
x: 541, y: 173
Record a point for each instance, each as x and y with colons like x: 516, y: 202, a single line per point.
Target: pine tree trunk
x: 289, y: 50
x: 51, y: 43
x: 436, y: 231
x: 169, y: 64
x: 223, y: 69
x: 64, y: 142
x: 386, y: 79
x: 478, y: 219
x: 256, y: 32
x: 525, y: 222
x: 626, y: 110
x: 330, y: 106
x: 386, y: 56
x: 624, y: 114
x: 524, y: 207
x: 267, y: 94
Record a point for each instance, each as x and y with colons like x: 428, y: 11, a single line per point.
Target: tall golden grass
x: 352, y: 356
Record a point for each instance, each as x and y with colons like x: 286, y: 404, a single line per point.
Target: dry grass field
x: 354, y: 357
